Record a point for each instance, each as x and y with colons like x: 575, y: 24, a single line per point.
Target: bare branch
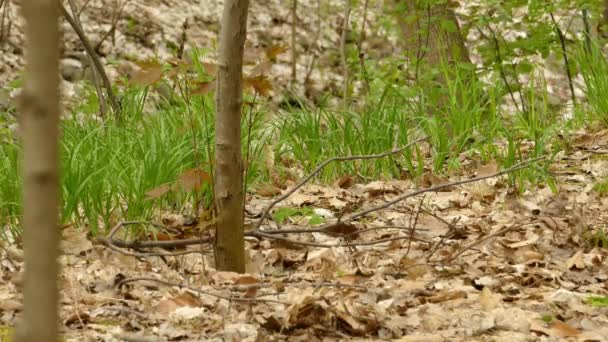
x: 96, y: 62
x: 485, y: 238
x: 191, y: 288
x: 321, y: 167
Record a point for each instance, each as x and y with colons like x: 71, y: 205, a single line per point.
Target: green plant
x: 282, y: 214
x: 598, y: 301
x: 597, y: 238
x: 594, y: 68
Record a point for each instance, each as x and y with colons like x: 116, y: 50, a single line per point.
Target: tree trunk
x: 230, y: 243
x: 39, y: 123
x: 432, y: 34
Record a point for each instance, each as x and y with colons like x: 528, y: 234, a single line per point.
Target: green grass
x: 594, y: 68
x: 107, y: 168
x: 598, y: 301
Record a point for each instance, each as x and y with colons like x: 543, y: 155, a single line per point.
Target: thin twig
x: 116, y: 14
x: 413, y: 226
x: 96, y: 62
x: 360, y: 48
x: 191, y: 288
x: 326, y: 245
x: 118, y: 245
x: 562, y: 41
x: 314, y: 44
x: 102, y: 101
x: 343, y: 54
x: 294, y: 51
x: 485, y: 238
x: 321, y: 167
x: 436, y: 188
x: 501, y: 69
x: 587, y: 30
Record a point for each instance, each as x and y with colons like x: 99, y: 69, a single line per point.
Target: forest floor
x: 474, y: 262
x: 471, y: 262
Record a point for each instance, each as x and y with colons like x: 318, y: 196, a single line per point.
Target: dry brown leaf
x: 185, y: 299
x: 429, y: 179
x: 488, y: 169
x: 193, y: 179
x: 268, y: 190
x: 561, y: 329
x: 149, y: 73
x: 246, y: 280
x: 342, y: 229
x: 532, y: 239
x: 488, y: 300
x: 75, y: 241
x: 344, y: 182
x: 273, y: 51
x: 299, y: 199
x: 444, y: 296
x: 576, y: 261
x: 349, y: 279
x: 260, y: 84
x: 210, y: 68
x: 158, y: 192
x: 203, y: 88
x: 260, y: 69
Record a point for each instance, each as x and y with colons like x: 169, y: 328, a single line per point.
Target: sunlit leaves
x: 149, y: 72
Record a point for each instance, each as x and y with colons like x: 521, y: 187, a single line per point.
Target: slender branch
x: 326, y: 245
x: 102, y: 101
x: 261, y: 234
x: 347, y: 10
x: 413, y: 227
x: 294, y: 51
x: 191, y: 288
x: 116, y: 14
x: 321, y: 167
x: 562, y: 40
x: 486, y: 238
x: 501, y: 69
x: 436, y: 188
x: 360, y: 48
x: 314, y: 44
x: 96, y: 62
x: 587, y: 30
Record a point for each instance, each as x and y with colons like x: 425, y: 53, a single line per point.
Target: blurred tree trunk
x: 434, y: 45
x: 431, y: 34
x: 603, y: 23
x: 39, y: 124
x: 230, y: 243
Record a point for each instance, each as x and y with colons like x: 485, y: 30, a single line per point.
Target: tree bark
x: 39, y: 105
x: 432, y: 34
x: 230, y: 243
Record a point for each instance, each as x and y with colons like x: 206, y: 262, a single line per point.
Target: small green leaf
x: 598, y: 301
x: 316, y: 219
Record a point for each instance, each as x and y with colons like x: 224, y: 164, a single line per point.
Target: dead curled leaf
x: 576, y: 262
x: 444, y: 296
x: 344, y: 182
x: 149, y: 73
x: 193, y: 179
x: 158, y: 192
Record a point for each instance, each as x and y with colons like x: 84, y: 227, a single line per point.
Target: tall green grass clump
x: 594, y: 70
x: 108, y: 168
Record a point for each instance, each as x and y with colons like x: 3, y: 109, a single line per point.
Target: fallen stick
x: 319, y: 168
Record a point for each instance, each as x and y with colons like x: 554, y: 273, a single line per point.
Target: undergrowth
x: 114, y: 169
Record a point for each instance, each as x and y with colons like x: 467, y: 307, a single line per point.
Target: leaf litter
x: 474, y: 262
x: 451, y: 278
